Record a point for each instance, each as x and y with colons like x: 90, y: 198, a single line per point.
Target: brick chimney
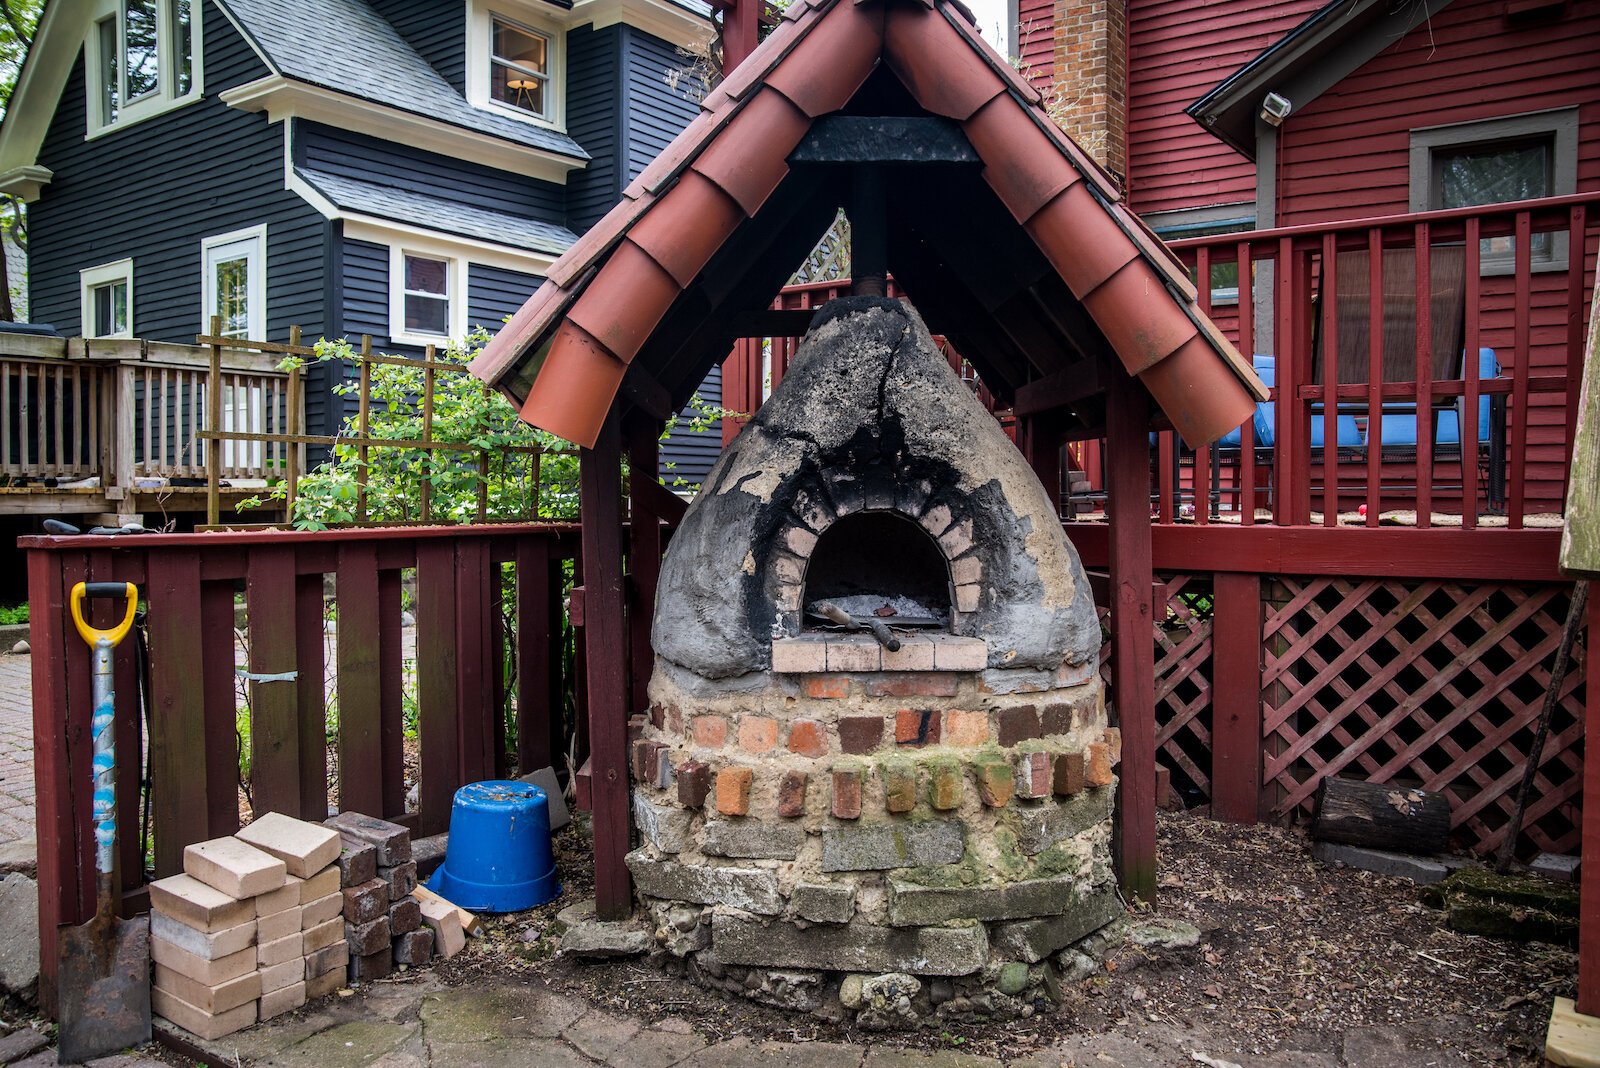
x: 1089, y: 97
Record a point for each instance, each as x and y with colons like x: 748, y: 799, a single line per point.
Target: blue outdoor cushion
x: 1266, y: 414
x: 1400, y: 420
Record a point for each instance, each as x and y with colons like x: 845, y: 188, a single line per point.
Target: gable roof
x: 1333, y: 42
x: 1033, y: 267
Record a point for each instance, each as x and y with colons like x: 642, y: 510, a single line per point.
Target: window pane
x: 426, y: 276
x: 520, y: 67
x: 232, y: 280
x: 110, y: 308
x: 107, y: 29
x: 427, y: 315
x: 183, y: 45
x: 139, y: 34
x: 1493, y: 175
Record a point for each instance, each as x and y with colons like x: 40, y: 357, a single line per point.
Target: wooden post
x: 483, y: 474
x: 427, y: 433
x: 121, y: 423
x: 600, y: 495
x: 1132, y: 634
x: 363, y: 423
x: 644, y: 551
x: 1236, y: 697
x: 214, y: 421
x: 741, y: 27
x: 1589, y: 902
x: 295, y: 425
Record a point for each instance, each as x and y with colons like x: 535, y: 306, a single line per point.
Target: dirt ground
x: 1294, y: 956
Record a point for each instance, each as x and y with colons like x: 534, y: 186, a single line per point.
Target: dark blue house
x: 407, y: 169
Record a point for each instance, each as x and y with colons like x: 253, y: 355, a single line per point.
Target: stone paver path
x: 16, y: 748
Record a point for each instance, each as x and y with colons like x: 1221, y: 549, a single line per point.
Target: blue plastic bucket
x: 499, y: 857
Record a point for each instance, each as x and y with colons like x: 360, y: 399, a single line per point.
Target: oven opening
x: 877, y: 566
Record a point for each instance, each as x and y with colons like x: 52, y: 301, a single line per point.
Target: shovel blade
x: 104, y: 999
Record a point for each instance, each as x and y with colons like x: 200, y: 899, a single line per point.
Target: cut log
x: 1381, y: 816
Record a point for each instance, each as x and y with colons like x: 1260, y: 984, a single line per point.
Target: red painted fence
x: 310, y: 748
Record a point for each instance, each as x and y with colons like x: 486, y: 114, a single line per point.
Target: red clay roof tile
x: 665, y: 167
x: 828, y: 66
x: 575, y: 387
x: 1202, y: 404
x: 625, y: 301
x: 749, y: 158
x: 1082, y: 242
x: 597, y: 240
x: 1138, y: 316
x: 521, y: 332
x: 1026, y: 171
x: 953, y: 82
x: 694, y: 219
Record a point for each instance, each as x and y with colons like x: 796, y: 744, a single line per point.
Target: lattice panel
x: 1433, y: 683
x: 1183, y: 685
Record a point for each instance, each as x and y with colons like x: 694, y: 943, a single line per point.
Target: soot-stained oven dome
x: 871, y: 431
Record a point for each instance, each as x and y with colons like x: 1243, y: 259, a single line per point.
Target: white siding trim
x: 455, y: 291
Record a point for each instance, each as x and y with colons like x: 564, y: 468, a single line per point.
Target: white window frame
x: 165, y: 98
x: 93, y: 278
x: 480, y: 66
x: 1180, y: 223
x: 253, y: 239
x: 455, y: 293
x: 1560, y: 125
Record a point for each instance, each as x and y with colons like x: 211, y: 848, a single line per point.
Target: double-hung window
x: 141, y: 57
x: 105, y: 296
x: 515, y: 61
x: 427, y: 296
x: 234, y: 283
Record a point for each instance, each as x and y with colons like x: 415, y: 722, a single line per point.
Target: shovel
x: 104, y: 996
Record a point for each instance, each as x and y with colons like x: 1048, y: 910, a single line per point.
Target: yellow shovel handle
x: 103, y: 589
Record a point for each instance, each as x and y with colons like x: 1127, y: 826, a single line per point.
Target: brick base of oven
x: 824, y: 834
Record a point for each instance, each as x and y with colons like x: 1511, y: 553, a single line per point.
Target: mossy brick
x: 823, y: 902
x: 280, y: 950
x: 275, y: 1003
x: 1068, y: 777
x: 366, y: 939
x: 392, y: 841
x: 899, y: 785
x: 195, y: 904
x: 917, y: 727
x: 280, y: 924
x: 1097, y: 771
x: 237, y: 869
x: 328, y: 958
x: 205, y: 972
x: 321, y: 910
x: 374, y: 966
x: 207, y: 1025
x: 752, y: 839
x: 914, y: 905
x: 305, y: 848
x: 322, y: 935
x: 888, y: 845
x: 405, y: 916
x: 1040, y: 827
x: 733, y: 790
x: 992, y: 772
x: 365, y: 903
x: 845, y: 795
x: 694, y: 783
x: 751, y: 889
x: 1033, y: 772
x: 792, y: 795
x: 1016, y: 724
x: 358, y: 861
x: 860, y: 735
x: 207, y: 944
x: 414, y: 948
x: 1080, y: 916
x: 945, y: 783
x: 849, y: 947
x: 401, y: 879
x: 213, y: 999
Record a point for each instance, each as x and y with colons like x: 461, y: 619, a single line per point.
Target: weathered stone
x: 20, y: 857
x: 1033, y: 940
x: 1163, y: 933
x: 365, y: 903
x: 1424, y: 871
x: 367, y: 938
x: 1562, y: 867
x: 405, y: 916
x: 945, y: 783
x: 665, y: 828
x: 1013, y: 978
x: 681, y: 929
x: 1040, y: 828
x: 545, y: 779
x: 19, y: 949
x: 886, y: 1001
x: 414, y: 948
x: 752, y: 839
x: 588, y: 936
x: 850, y: 991
x: 823, y: 903
x: 401, y: 878
x: 899, y: 785
x: 796, y: 991
x: 881, y: 846
x: 911, y: 905
x: 751, y: 889
x: 358, y: 861
x: 855, y: 946
x: 392, y: 841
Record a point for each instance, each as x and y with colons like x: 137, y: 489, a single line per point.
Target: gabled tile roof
x: 433, y: 213
x: 563, y: 356
x: 346, y: 46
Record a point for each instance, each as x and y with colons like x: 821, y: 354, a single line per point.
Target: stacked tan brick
x: 252, y: 928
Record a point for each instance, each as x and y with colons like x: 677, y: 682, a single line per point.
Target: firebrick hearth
x: 876, y: 777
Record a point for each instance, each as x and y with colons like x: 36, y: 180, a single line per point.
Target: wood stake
x: 294, y: 419
x: 214, y: 421
x: 427, y: 434
x: 363, y: 415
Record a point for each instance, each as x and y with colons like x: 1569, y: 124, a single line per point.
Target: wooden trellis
x: 1435, y: 683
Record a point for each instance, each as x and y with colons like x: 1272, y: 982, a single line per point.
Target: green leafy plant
x: 13, y: 613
